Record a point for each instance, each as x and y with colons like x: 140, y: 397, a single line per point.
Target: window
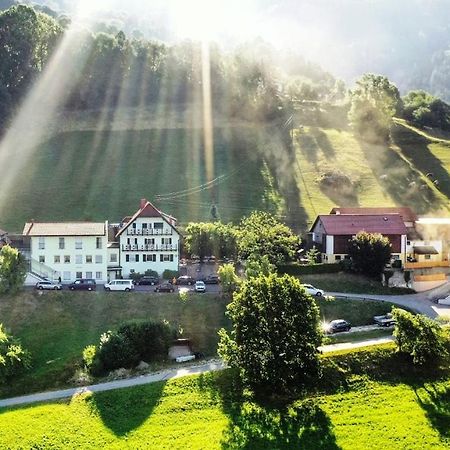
x: 166, y: 258
x: 144, y: 258
x: 62, y: 244
x: 42, y: 259
x: 144, y: 226
x: 128, y: 241
x: 98, y: 275
x: 79, y: 275
x: 78, y: 259
x: 57, y: 259
x: 136, y: 257
x: 66, y: 259
x: 66, y: 276
x: 98, y: 259
x: 113, y: 257
x: 149, y: 241
x: 88, y: 259
x: 78, y: 244
x: 88, y: 274
x: 127, y: 258
x: 166, y: 241
x: 151, y: 258
x: 158, y: 225
x: 41, y: 243
x: 98, y: 243
x: 133, y: 225
x: 135, y: 241
x: 427, y: 256
x: 338, y: 257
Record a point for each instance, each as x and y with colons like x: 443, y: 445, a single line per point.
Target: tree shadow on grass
x: 266, y: 425
x: 124, y: 410
x: 435, y: 401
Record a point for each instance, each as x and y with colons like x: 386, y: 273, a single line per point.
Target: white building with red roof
x: 332, y: 232
x: 148, y: 241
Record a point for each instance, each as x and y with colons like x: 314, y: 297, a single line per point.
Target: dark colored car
x: 83, y: 284
x: 335, y: 326
x: 211, y: 279
x: 185, y: 279
x: 148, y: 281
x: 165, y: 287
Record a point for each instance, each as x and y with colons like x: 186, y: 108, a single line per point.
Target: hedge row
x: 298, y: 269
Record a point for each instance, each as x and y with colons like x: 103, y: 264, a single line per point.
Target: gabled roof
x: 64, y: 229
x: 146, y: 210
x: 405, y: 212
x: 346, y: 224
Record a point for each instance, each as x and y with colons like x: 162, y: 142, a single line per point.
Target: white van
x: 119, y: 285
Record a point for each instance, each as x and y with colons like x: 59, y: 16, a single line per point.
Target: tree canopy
x: 369, y: 252
x: 374, y: 101
x: 12, y: 270
x: 262, y: 234
x: 275, y: 334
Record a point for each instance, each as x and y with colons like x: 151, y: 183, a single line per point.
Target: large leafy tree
x: 12, y: 270
x: 423, y: 109
x: 420, y: 337
x: 374, y: 102
x: 13, y: 358
x: 275, y: 334
x: 27, y: 39
x: 369, y: 252
x: 262, y: 234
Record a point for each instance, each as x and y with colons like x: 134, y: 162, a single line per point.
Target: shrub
x: 298, y: 269
x: 169, y: 274
x: 115, y: 352
x: 420, y: 337
x: 135, y: 276
x: 151, y: 273
x: 14, y: 360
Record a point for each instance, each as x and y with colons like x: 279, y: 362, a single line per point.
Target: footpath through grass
x: 370, y: 399
x: 56, y: 326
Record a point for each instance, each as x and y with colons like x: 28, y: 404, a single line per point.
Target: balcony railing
x: 150, y: 248
x: 149, y: 231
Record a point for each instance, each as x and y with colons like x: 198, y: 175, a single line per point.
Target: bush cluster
x: 169, y: 274
x: 14, y: 360
x: 131, y: 343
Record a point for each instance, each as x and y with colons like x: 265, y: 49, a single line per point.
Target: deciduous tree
x: 12, y: 270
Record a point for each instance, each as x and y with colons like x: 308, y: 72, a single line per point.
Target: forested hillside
x: 93, y: 121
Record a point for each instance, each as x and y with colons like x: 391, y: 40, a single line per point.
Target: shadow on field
x: 254, y: 426
x: 124, y: 410
x: 401, y: 181
x: 435, y: 401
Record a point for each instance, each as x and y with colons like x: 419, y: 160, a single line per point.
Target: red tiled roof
x: 346, y: 224
x: 405, y: 212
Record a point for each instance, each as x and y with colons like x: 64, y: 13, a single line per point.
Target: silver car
x: 49, y: 285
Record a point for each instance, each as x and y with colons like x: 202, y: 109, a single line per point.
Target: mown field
x: 358, y: 410
x: 56, y: 326
x: 101, y: 173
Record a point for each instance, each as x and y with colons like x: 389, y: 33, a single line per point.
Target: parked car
x: 211, y: 279
x: 50, y: 285
x: 164, y: 287
x: 444, y: 301
x: 384, y: 321
x: 311, y: 290
x: 200, y: 286
x: 338, y: 325
x: 83, y: 284
x: 185, y: 279
x: 120, y: 285
x: 148, y: 281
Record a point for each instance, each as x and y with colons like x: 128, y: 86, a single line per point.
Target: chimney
x: 143, y: 202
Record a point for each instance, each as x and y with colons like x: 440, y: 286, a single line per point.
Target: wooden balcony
x: 149, y: 231
x: 426, y: 264
x: 150, y: 248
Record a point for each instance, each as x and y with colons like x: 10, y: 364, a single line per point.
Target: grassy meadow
x: 101, y: 171
x: 56, y: 326
x: 357, y: 411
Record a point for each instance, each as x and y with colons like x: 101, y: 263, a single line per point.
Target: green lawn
x: 358, y: 336
x: 351, y: 283
x: 56, y: 326
x: 212, y: 412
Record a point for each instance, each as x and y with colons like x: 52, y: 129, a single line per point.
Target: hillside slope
x: 96, y: 174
